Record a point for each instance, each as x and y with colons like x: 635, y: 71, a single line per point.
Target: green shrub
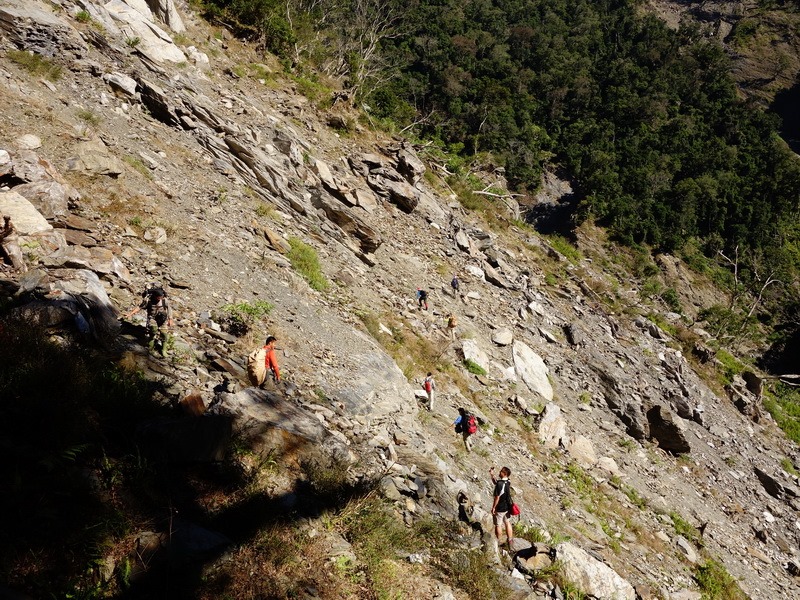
x: 265, y: 210
x: 305, y: 261
x: 683, y: 527
x: 672, y: 300
x: 312, y: 89
x: 730, y: 366
x: 634, y: 497
x: 240, y: 318
x: 788, y: 466
x: 581, y: 482
x: 474, y: 367
x: 35, y: 64
x: 377, y: 535
x: 783, y: 403
x: 83, y: 16
x: 716, y: 583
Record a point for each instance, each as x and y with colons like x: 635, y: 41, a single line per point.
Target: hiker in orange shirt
x: 270, y: 362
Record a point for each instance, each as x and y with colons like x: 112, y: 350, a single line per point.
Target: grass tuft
x: 35, y: 64
x: 305, y: 261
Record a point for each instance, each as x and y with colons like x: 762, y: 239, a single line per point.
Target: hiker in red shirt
x: 270, y: 362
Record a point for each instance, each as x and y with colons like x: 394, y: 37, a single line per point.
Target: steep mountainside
x: 762, y: 40
x: 167, y: 151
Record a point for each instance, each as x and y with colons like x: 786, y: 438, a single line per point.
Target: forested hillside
x: 645, y: 120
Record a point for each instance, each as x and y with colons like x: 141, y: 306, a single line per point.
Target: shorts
x: 500, y: 518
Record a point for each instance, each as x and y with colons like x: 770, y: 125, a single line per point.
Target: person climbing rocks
x: 456, y: 285
x: 429, y: 385
x: 422, y: 298
x: 270, y: 360
x: 159, y: 316
x: 451, y: 326
x: 466, y: 424
x: 501, y: 506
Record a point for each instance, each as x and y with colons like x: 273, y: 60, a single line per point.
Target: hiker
x: 429, y: 385
x: 451, y: 326
x: 422, y: 298
x: 502, y: 504
x: 466, y: 424
x: 270, y: 362
x: 159, y: 316
x: 455, y: 284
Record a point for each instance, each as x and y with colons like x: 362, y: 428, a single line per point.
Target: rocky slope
x: 191, y: 162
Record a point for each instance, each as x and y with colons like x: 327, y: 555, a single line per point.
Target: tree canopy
x: 646, y: 120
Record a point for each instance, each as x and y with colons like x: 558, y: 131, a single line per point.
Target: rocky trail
x: 158, y: 162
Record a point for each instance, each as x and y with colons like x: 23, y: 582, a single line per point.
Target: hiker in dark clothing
x: 456, y: 285
x: 159, y: 316
x: 501, y: 506
x: 422, y: 298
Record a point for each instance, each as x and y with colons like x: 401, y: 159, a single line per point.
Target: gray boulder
x: 270, y: 421
x: 24, y: 216
x: 669, y: 433
x: 32, y: 26
x: 531, y: 369
x: 93, y: 158
x: 590, y: 575
x: 50, y: 198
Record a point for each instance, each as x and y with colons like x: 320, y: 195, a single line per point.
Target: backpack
x: 256, y: 369
x: 472, y: 424
x: 428, y: 386
x: 451, y: 322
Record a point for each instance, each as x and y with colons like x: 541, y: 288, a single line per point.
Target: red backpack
x: 428, y: 386
x: 472, y: 424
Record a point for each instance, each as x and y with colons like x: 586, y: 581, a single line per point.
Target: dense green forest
x: 645, y: 120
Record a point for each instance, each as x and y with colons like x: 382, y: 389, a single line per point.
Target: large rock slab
x: 503, y: 336
x: 24, y: 216
x: 31, y: 26
x: 348, y: 220
x: 154, y: 43
x: 591, y: 576
x: 271, y: 422
x: 165, y: 11
x: 374, y: 385
x: 49, y: 197
x: 531, y: 369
